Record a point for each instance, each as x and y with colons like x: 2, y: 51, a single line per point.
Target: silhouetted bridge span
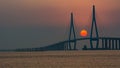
x: 107, y: 43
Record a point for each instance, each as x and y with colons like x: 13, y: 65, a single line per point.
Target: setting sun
x: 83, y: 33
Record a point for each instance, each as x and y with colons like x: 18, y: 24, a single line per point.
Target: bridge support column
x: 102, y: 43
x: 119, y: 44
x: 66, y: 46
x: 109, y: 44
x: 106, y: 44
x: 112, y: 44
x: 72, y: 34
x: 94, y: 31
x: 116, y: 47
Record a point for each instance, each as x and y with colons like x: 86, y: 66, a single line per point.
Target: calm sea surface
x: 61, y: 59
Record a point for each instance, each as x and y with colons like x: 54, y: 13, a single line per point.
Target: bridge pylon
x: 72, y: 35
x: 94, y: 28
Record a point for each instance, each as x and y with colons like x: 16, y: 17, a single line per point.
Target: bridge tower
x: 72, y: 35
x: 94, y: 29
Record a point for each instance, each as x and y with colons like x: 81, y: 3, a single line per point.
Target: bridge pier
x: 106, y: 44
x: 103, y: 43
x: 112, y: 44
x: 116, y: 44
x: 109, y: 44
x: 65, y: 46
x: 119, y: 44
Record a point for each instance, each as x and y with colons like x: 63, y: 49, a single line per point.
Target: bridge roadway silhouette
x: 108, y: 43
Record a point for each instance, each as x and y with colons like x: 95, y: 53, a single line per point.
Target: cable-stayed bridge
x: 107, y: 43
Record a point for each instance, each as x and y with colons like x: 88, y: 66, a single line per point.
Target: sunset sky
x: 36, y: 23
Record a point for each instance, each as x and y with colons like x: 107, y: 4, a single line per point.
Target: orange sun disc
x: 83, y: 33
